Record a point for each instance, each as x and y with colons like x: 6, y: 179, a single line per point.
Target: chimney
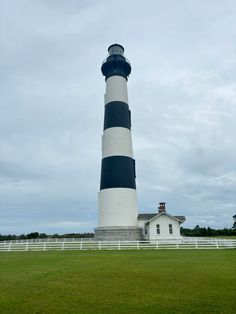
x: 162, y: 207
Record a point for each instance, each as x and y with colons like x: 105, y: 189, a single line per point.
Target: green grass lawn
x: 167, y: 281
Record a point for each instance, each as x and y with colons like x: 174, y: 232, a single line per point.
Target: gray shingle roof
x: 182, y: 218
x: 150, y: 216
x: 146, y: 216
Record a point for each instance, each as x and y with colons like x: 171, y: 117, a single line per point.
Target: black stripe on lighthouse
x: 118, y: 172
x: 117, y: 114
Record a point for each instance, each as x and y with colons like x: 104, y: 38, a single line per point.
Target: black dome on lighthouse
x: 116, y: 48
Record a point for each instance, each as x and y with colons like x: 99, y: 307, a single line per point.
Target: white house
x: 160, y: 225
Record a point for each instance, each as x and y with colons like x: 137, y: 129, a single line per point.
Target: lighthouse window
x: 134, y: 168
x: 158, y: 229
x: 170, y: 229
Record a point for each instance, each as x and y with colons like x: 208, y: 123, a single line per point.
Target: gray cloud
x: 182, y: 93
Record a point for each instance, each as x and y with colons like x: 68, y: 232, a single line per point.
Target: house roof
x: 150, y: 216
x: 146, y: 216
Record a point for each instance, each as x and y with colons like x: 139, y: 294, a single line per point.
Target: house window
x: 170, y: 229
x: 145, y: 229
x: 158, y: 229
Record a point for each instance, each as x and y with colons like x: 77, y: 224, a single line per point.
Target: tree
x: 33, y: 235
x: 22, y: 236
x: 43, y: 235
x: 234, y: 225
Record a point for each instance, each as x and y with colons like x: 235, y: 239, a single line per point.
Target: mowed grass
x: 165, y: 281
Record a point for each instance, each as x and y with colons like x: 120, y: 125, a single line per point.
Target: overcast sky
x: 182, y: 94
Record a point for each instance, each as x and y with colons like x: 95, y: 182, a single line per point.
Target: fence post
x: 99, y: 245
x: 44, y: 246
x: 9, y: 247
x: 119, y: 245
x: 62, y: 245
x: 27, y: 246
x: 157, y: 247
x: 217, y: 245
x: 81, y: 245
x: 138, y: 245
x: 196, y: 244
x: 177, y: 245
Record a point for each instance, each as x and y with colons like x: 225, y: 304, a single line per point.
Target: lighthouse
x: 117, y: 199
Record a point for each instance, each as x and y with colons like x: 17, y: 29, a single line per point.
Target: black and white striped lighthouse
x: 117, y: 197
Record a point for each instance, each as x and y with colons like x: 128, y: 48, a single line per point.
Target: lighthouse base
x: 118, y: 234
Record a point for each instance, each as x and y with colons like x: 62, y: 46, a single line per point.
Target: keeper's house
x: 160, y: 225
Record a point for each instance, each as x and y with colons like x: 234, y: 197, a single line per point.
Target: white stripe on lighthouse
x: 116, y: 89
x: 117, y: 207
x: 117, y: 141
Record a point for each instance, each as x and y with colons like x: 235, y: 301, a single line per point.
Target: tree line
x: 37, y: 235
x: 207, y: 232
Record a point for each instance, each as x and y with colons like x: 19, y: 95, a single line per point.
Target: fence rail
x: 85, y: 244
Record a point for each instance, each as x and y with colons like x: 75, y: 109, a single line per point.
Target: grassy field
x: 174, y: 281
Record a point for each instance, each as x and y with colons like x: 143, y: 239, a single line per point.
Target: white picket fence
x: 90, y: 244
